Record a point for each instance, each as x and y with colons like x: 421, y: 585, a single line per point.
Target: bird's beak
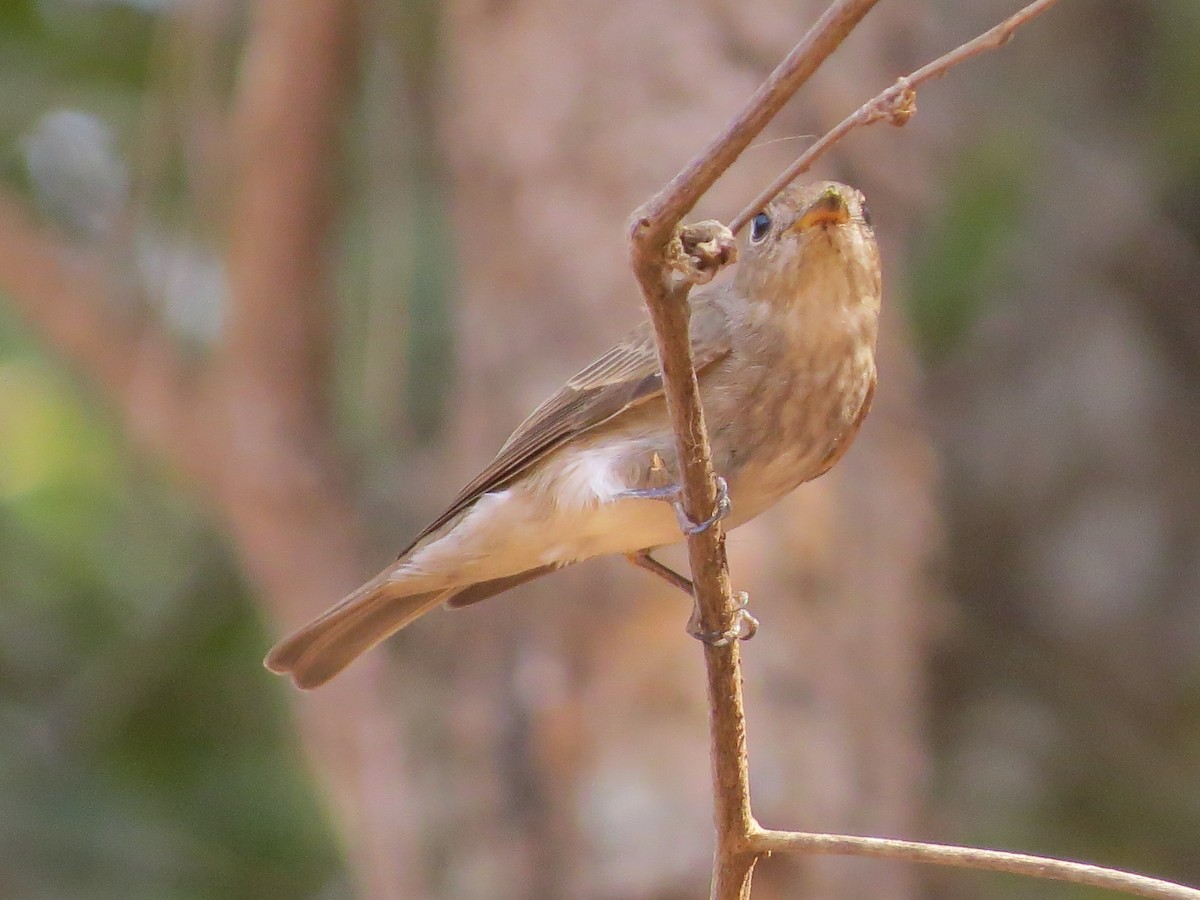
x: 828, y: 209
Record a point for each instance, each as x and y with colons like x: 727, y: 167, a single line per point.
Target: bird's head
x: 810, y: 234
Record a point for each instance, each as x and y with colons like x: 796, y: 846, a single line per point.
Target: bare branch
x: 663, y: 211
x: 971, y: 858
x: 710, y: 575
x: 656, y: 241
x: 897, y: 104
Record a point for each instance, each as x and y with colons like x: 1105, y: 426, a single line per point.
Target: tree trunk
x: 275, y: 474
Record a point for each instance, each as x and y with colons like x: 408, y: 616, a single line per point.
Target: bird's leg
x: 672, y: 494
x: 744, y: 624
x: 643, y: 560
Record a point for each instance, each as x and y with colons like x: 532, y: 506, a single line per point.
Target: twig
x: 662, y: 212
x: 897, y: 104
x: 710, y: 575
x: 971, y: 858
x: 654, y: 230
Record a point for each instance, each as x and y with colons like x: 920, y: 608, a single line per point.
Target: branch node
x: 697, y: 252
x: 901, y: 105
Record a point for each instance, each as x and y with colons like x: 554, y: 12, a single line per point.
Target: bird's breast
x: 780, y: 434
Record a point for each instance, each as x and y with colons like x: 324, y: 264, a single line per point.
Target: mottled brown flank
x: 785, y: 361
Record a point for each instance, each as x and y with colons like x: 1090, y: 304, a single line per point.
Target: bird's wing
x: 624, y: 377
x: 842, y: 442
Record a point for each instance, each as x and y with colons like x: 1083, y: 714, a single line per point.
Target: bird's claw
x: 673, y: 493
x: 724, y: 507
x: 743, y: 627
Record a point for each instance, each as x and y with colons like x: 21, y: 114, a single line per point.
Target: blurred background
x: 276, y: 278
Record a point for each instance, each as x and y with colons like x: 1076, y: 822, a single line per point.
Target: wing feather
x: 624, y: 377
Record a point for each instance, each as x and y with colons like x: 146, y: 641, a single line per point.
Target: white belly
x: 566, y: 512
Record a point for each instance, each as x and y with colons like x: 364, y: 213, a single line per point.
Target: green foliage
x: 430, y: 343
x: 143, y: 751
x: 962, y: 250
x: 1174, y: 91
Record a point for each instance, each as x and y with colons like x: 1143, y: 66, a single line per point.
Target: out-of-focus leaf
x: 964, y: 244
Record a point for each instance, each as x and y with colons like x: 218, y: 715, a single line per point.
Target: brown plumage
x: 785, y: 360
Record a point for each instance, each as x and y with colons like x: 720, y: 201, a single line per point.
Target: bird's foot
x: 724, y: 508
x: 673, y: 492
x: 743, y: 627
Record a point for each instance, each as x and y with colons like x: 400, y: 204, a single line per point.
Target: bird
x: 784, y: 352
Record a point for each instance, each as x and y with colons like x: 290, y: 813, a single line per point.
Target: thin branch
x: 663, y: 211
x: 710, y: 575
x: 970, y: 858
x: 897, y: 104
x: 656, y: 250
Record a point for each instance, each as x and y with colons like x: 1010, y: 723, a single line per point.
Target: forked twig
x: 654, y: 236
x: 896, y: 105
x: 656, y: 247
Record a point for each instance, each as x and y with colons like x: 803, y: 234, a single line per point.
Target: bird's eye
x: 866, y: 213
x: 759, y: 226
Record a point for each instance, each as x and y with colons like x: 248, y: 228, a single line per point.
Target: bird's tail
x: 328, y: 644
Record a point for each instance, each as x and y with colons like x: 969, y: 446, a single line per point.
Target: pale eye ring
x: 759, y: 226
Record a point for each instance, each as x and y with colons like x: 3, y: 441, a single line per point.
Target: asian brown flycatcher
x: 785, y: 359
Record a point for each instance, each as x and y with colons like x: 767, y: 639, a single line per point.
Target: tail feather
x: 325, y: 646
x: 374, y: 612
x: 482, y: 590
